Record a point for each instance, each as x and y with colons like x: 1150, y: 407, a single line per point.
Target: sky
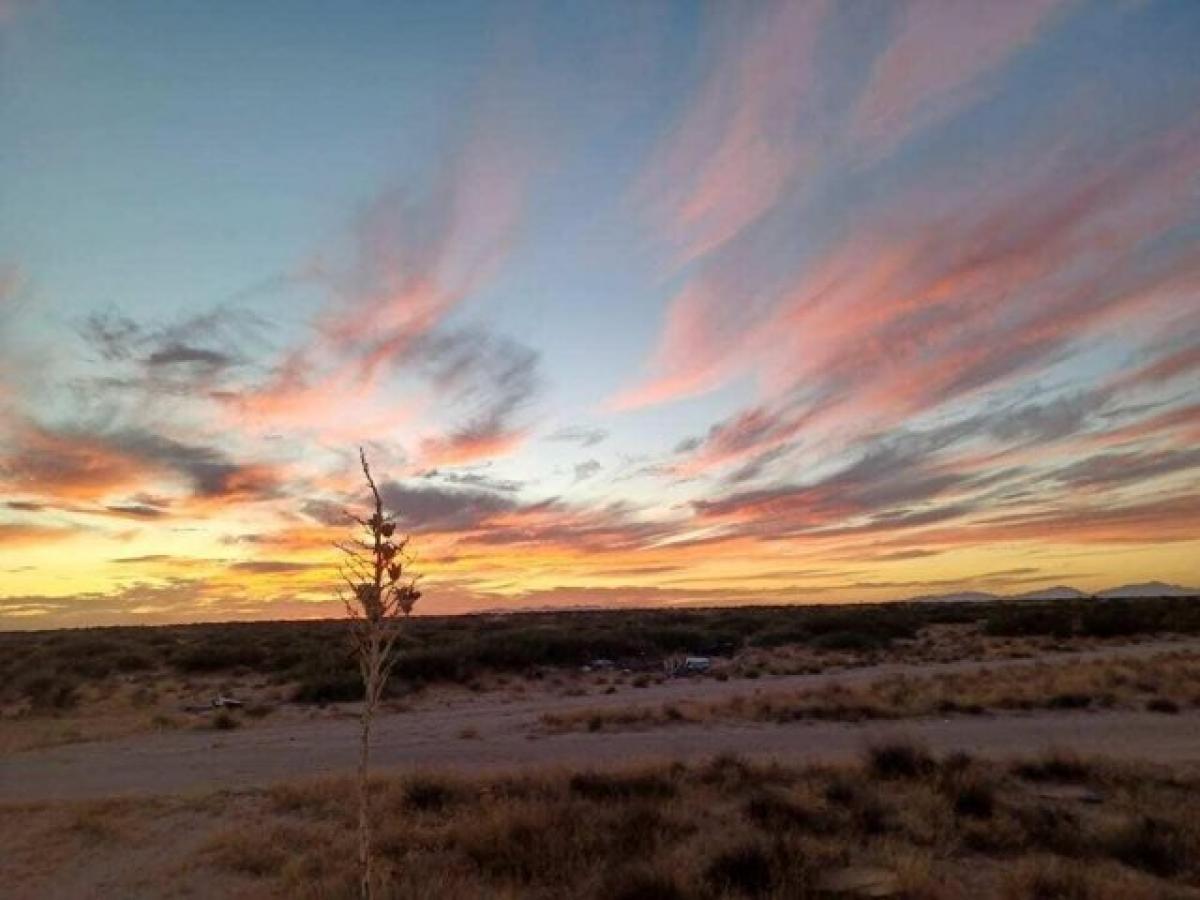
x: 628, y: 303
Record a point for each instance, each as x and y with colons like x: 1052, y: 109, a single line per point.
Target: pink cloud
x: 736, y: 146
x: 414, y: 259
x: 915, y: 311
x: 752, y: 131
x: 938, y: 60
x: 697, y: 352
x: 470, y: 446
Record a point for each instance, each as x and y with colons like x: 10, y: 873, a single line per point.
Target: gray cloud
x: 181, y: 354
x: 204, y: 341
x: 326, y: 512
x: 272, y: 566
x: 52, y: 461
x: 426, y: 507
x: 1047, y: 421
x: 211, y: 472
x: 1112, y: 469
x: 584, y: 437
x: 586, y: 469
x: 475, y: 480
x: 489, y: 380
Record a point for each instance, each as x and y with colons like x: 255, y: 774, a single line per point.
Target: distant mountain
x: 1064, y: 592
x: 1058, y: 592
x: 521, y: 610
x: 963, y: 597
x: 1149, y: 589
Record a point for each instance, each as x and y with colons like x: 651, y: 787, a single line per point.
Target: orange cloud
x: 18, y: 535
x: 67, y: 465
x: 470, y: 446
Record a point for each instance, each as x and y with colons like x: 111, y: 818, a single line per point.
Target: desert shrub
x: 429, y: 793
x: 51, y: 690
x: 96, y: 822
x: 974, y: 799
x: 133, y: 661
x: 216, y: 656
x: 728, y: 770
x: 1152, y: 845
x: 543, y: 646
x: 1050, y: 879
x: 899, y: 759
x: 432, y: 664
x: 143, y: 696
x: 1116, y: 618
x: 621, y: 786
x: 694, y: 637
x: 869, y: 815
x: 1054, y: 829
x: 1094, y: 618
x: 780, y: 636
x: 248, y: 851
x: 746, y: 869
x: 329, y: 687
x: 1162, y: 705
x: 524, y: 844
x: 330, y: 676
x: 1021, y: 620
x: 1069, y: 701
x: 1054, y: 766
x: 641, y: 883
x: 226, y: 721
x: 841, y: 792
x: 774, y: 811
x: 850, y: 640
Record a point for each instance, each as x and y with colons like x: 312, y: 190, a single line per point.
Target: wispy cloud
x: 1006, y: 284
x: 415, y: 256
x: 738, y: 145
x: 576, y: 434
x: 936, y: 62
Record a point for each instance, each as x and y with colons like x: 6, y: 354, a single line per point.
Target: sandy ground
x: 493, y: 732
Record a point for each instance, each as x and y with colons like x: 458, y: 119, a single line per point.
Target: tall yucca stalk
x: 379, y: 594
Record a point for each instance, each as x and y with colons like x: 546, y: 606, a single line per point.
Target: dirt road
x: 433, y: 738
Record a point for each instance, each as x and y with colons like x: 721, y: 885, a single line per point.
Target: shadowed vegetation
x: 316, y: 660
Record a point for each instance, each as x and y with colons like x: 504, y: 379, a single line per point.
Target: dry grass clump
x: 1054, y: 878
x: 101, y: 821
x: 1166, y: 683
x: 903, y: 820
x: 899, y: 759
x: 729, y: 828
x: 1056, y: 765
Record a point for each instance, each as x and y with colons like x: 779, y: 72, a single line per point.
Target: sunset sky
x: 630, y: 303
